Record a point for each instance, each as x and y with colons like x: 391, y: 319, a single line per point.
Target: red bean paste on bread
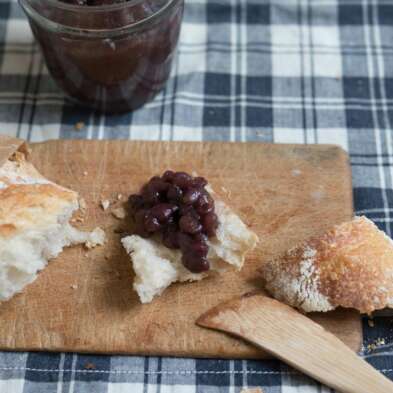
x: 177, y: 207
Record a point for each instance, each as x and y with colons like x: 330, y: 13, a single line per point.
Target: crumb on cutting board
x: 82, y: 204
x: 79, y: 125
x: 119, y: 213
x: 105, y: 204
x: 74, y: 286
x: 97, y: 238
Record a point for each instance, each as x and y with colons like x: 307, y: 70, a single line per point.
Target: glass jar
x: 114, y: 57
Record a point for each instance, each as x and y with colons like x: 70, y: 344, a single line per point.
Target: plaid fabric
x: 295, y: 71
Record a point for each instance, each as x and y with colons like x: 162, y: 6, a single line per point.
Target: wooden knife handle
x: 297, y: 340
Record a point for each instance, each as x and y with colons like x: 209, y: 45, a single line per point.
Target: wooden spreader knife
x: 298, y: 341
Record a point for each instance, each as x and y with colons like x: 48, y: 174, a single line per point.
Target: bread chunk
x: 156, y: 266
x: 350, y: 266
x: 34, y: 224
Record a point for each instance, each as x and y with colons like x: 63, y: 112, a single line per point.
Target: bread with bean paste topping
x: 156, y: 266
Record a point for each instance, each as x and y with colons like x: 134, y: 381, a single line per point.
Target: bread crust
x: 34, y: 224
x: 27, y: 199
x: 351, y: 266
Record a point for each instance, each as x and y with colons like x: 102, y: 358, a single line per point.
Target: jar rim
x: 92, y: 8
x: 94, y: 33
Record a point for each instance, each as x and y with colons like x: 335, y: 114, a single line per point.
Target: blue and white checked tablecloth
x: 298, y: 71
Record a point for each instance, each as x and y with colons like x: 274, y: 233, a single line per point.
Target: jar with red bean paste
x: 110, y: 55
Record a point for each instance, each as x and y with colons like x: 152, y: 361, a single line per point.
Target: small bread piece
x: 156, y: 266
x: 350, y: 266
x: 34, y: 224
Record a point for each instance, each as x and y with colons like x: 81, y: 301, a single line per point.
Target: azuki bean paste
x: 178, y: 207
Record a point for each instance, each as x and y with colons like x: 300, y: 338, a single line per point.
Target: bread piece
x: 34, y: 224
x: 156, y: 266
x: 351, y: 266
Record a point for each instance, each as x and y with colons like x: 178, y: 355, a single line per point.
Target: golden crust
x: 349, y: 266
x: 32, y: 205
x: 18, y: 170
x: 27, y: 199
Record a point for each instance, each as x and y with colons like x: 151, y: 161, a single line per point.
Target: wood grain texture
x: 285, y: 193
x: 297, y: 340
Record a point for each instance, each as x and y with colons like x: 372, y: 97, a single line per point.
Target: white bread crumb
x: 105, y: 204
x: 82, y: 204
x: 119, y: 213
x: 95, y: 238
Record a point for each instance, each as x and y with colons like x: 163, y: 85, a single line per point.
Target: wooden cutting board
x: 83, y: 301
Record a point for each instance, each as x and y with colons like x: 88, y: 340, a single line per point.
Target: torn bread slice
x: 156, y: 266
x: 34, y: 224
x: 350, y: 266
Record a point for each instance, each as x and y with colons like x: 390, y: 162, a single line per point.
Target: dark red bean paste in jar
x: 114, y: 72
x: 177, y: 207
